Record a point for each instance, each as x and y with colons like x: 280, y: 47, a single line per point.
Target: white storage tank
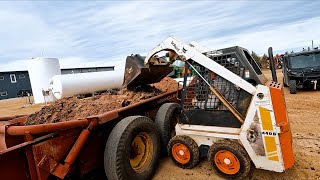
x: 41, y: 70
x: 85, y: 83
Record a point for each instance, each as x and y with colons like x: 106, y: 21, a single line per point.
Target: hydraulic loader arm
x: 185, y: 52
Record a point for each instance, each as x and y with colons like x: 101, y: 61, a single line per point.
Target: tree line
x: 262, y: 61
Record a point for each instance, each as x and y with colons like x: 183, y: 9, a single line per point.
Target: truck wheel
x: 183, y: 151
x: 229, y: 159
x: 132, y: 149
x: 292, y: 87
x: 166, y: 120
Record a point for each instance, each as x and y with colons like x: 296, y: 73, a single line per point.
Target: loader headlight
x: 246, y: 73
x: 260, y: 95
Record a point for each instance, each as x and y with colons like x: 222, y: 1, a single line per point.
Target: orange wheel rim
x: 227, y: 162
x: 181, y: 153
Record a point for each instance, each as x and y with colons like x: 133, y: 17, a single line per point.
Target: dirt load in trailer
x: 72, y: 108
x: 71, y: 137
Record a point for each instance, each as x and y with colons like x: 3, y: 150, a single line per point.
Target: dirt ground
x: 17, y: 106
x: 304, y: 116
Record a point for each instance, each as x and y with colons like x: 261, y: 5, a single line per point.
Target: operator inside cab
x: 209, y: 101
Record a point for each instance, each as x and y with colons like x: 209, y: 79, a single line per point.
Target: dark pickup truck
x: 301, y: 70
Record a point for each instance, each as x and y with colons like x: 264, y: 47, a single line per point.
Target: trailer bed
x: 43, y: 150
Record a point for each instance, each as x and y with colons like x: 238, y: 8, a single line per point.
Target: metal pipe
x: 7, y: 118
x: 77, y: 147
x: 2, y: 151
x: 62, y: 170
x: 144, y: 101
x: 272, y: 66
x: 45, y: 128
x: 184, y: 91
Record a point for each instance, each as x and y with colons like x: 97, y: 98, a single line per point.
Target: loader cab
x: 253, y: 73
x: 201, y: 107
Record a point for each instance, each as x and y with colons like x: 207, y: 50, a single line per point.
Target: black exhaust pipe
x: 272, y: 65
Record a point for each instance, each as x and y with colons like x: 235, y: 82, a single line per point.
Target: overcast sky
x: 80, y: 31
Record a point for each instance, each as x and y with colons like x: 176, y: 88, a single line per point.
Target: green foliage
x: 178, y: 71
x: 264, y: 62
x: 256, y: 58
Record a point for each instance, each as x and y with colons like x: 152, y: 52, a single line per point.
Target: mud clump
x: 73, y: 108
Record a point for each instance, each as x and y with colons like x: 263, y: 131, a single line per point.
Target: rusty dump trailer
x: 73, y: 148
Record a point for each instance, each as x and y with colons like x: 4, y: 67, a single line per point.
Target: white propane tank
x: 85, y: 83
x: 41, y: 70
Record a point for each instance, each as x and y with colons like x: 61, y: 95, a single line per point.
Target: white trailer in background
x: 41, y: 70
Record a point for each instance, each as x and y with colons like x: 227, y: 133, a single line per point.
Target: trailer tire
x: 229, y: 159
x: 166, y: 119
x: 292, y: 86
x: 132, y: 149
x: 184, y: 151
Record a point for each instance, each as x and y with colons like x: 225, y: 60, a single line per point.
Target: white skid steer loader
x: 229, y: 111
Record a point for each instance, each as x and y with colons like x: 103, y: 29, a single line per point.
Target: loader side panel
x: 281, y: 117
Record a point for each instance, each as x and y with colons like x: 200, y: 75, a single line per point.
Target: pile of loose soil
x: 72, y: 108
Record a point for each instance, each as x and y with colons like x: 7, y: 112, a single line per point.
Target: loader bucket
x: 137, y: 73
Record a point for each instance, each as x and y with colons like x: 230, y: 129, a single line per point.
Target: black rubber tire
x: 284, y: 84
x: 293, y: 86
x: 117, y: 151
x: 192, y: 148
x: 166, y: 119
x: 238, y: 151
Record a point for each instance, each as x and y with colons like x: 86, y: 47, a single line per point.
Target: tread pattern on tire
x: 239, y: 151
x: 192, y: 147
x: 292, y: 87
x: 163, y: 121
x: 114, y: 158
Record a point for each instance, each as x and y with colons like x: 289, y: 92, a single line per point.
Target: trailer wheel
x: 183, y: 151
x: 292, y: 86
x: 132, y: 149
x: 166, y: 120
x: 229, y: 159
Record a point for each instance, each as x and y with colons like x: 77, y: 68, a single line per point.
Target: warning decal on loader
x: 271, y: 148
x: 266, y: 119
x: 269, y: 138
